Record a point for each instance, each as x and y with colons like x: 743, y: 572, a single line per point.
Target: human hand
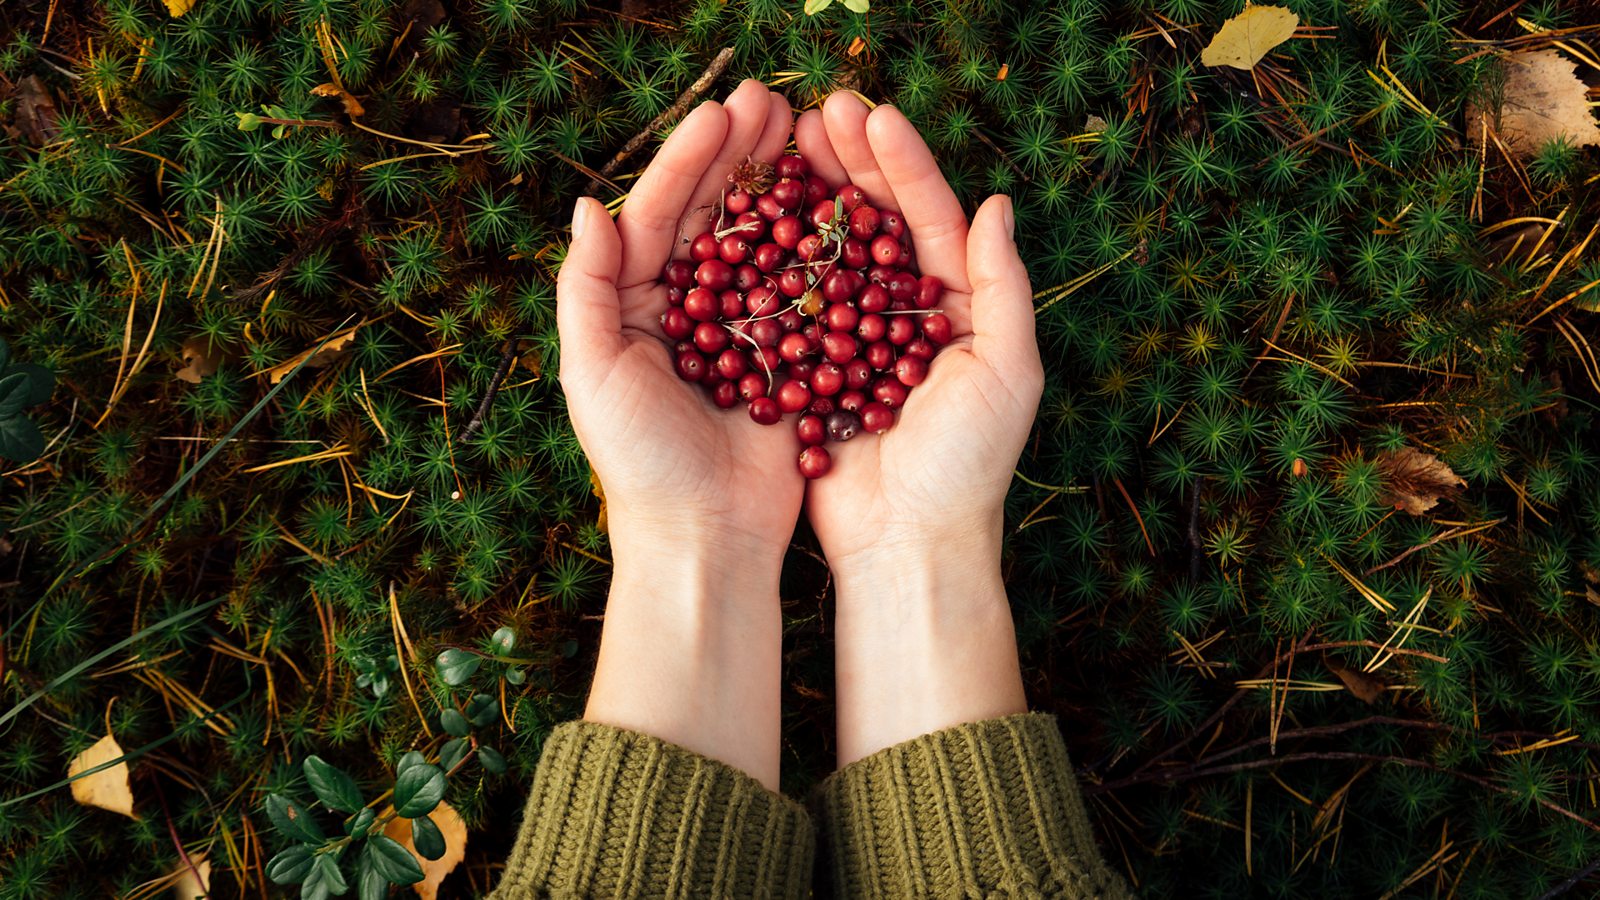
x: 911, y: 519
x: 677, y: 471
x: 938, y: 478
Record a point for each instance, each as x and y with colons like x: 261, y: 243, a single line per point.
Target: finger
x: 649, y: 219
x: 932, y: 213
x: 811, y: 140
x: 846, y: 118
x: 1002, y: 298
x: 748, y: 108
x: 780, y: 124
x: 587, y: 314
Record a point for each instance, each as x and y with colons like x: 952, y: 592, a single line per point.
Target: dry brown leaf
x: 352, y: 106
x: 1415, y: 481
x: 455, y: 847
x: 329, y: 354
x: 1542, y: 99
x: 600, y: 521
x: 33, y: 114
x: 1367, y: 687
x: 107, y: 788
x: 202, y: 358
x: 193, y: 881
x: 176, y: 8
x: 1243, y: 40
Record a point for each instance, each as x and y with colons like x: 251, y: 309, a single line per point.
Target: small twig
x: 671, y: 114
x: 506, y: 358
x: 1572, y: 882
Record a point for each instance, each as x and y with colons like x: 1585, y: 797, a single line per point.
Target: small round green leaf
x: 426, y: 838
x: 516, y: 676
x: 452, y: 753
x: 482, y: 709
x: 492, y: 761
x: 454, y: 722
x: 393, y: 861
x: 333, y: 787
x: 456, y: 666
x: 293, y: 821
x: 418, y: 790
x: 411, y: 758
x: 291, y: 866
x: 503, y: 639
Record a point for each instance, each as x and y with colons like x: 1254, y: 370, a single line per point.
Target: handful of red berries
x: 801, y: 299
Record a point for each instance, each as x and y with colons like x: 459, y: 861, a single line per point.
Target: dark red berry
x: 879, y: 355
x: 714, y: 274
x: 872, y: 327
x: 766, y: 332
x: 748, y: 225
x: 675, y: 296
x: 725, y: 395
x: 902, y: 287
x: 703, y: 247
x: 809, y: 248
x: 733, y: 249
x: 841, y: 317
x: 802, y: 370
x: 791, y: 320
x: 731, y: 304
x: 821, y: 406
x: 827, y: 379
x: 839, y: 346
x: 794, y: 347
x: 768, y: 208
x: 737, y: 201
x: 857, y: 374
x: 851, y: 400
x: 853, y: 253
x: 702, y: 305
x: 874, y: 298
x: 691, y: 365
x: 752, y: 385
x: 838, y: 285
x: 911, y: 370
x: 788, y: 192
x: 919, y: 348
x: 792, y: 165
x: 679, y: 273
x: 732, y: 365
x: 852, y: 197
x: 937, y: 328
x: 885, y: 250
x: 892, y: 224
x: 901, y: 330
x: 889, y: 391
x: 863, y: 223
x: 929, y: 290
x: 792, y: 396
x: 843, y: 425
x: 815, y: 462
x: 876, y: 418
x: 746, y: 277
x: 817, y: 191
x: 765, y: 358
x: 811, y: 430
x: 762, y: 300
x: 764, y: 410
x: 711, y: 338
x: 822, y: 214
x: 768, y: 257
x: 676, y: 324
x: 792, y: 282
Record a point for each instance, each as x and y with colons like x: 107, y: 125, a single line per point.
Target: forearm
x: 924, y: 640
x: 691, y: 648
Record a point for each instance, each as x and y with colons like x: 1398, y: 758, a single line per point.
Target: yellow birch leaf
x: 176, y: 8
x: 600, y: 520
x: 1414, y: 481
x: 202, y: 356
x: 1243, y: 40
x: 434, y: 871
x: 330, y: 353
x: 1543, y: 99
x: 107, y: 788
x: 352, y: 106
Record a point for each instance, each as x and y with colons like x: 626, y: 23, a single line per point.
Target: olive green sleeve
x: 987, y: 809
x: 614, y: 813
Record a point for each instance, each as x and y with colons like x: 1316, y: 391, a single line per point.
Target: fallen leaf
x: 193, y: 881
x: 202, y: 358
x: 107, y: 788
x: 176, y: 8
x: 1094, y: 124
x: 1415, y: 481
x: 1542, y: 99
x: 330, y: 353
x: 352, y: 106
x: 455, y: 847
x: 34, y: 115
x: 1367, y: 687
x: 600, y: 492
x: 1243, y: 40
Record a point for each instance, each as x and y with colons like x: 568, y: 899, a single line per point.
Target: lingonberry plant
x: 1295, y: 656
x: 801, y: 299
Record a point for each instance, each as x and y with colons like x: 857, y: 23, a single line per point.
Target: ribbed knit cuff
x: 619, y: 814
x: 988, y: 809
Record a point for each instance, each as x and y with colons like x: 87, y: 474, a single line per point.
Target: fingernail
x: 1010, y: 219
x: 580, y: 216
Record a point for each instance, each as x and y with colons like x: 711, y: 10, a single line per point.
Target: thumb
x: 587, y: 313
x: 1002, y: 298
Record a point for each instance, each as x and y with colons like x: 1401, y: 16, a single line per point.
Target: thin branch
x: 671, y: 114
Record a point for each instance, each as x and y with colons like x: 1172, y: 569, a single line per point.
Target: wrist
x: 948, y: 561
x: 693, y: 560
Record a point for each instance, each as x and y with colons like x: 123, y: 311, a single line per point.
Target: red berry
x: 792, y: 165
x: 761, y: 300
x: 937, y: 328
x: 802, y: 370
x: 843, y: 425
x: 731, y: 364
x: 851, y: 400
x: 902, y: 287
x: 852, y: 197
x: 817, y: 191
x: 731, y: 304
x: 691, y: 365
x: 929, y: 290
x: 766, y: 332
x: 821, y: 406
x: 733, y: 249
x: 877, y: 418
x: 752, y: 385
x: 725, y: 395
x: 874, y: 298
x: 768, y: 208
x: 792, y: 282
x: 675, y: 296
x: 788, y: 192
x: 827, y: 379
x: 710, y: 337
x: 676, y: 324
x: 701, y: 305
x: 679, y: 274
x: 854, y: 253
x: 793, y: 396
x: 889, y: 391
x: 891, y: 223
x: 872, y: 327
x: 809, y: 248
x: 885, y: 250
x: 768, y: 257
x: 901, y: 330
x: 863, y: 223
x: 839, y: 346
x: 857, y: 374
x: 794, y: 347
x: 714, y: 274
x: 766, y: 359
x: 838, y: 285
x: 737, y: 201
x: 811, y: 430
x: 786, y: 232
x: 822, y: 213
x: 815, y: 462
x: 764, y: 410
x: 841, y: 317
x: 879, y: 355
x: 791, y: 320
x: 911, y: 370
x: 703, y: 247
x: 920, y: 348
x: 746, y: 277
x: 748, y: 225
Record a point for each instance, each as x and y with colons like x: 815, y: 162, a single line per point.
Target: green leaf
x: 454, y: 722
x: 292, y: 820
x: 393, y: 861
x: 331, y: 877
x: 492, y: 761
x: 516, y: 676
x: 370, y: 883
x: 815, y: 6
x: 333, y: 787
x: 503, y: 639
x: 426, y: 838
x: 411, y: 758
x: 418, y: 790
x: 291, y: 866
x: 359, y: 823
x: 20, y: 439
x: 5, y: 354
x: 856, y: 6
x: 452, y: 753
x: 456, y: 666
x: 248, y: 121
x: 13, y: 393
x: 482, y: 709
x: 40, y: 382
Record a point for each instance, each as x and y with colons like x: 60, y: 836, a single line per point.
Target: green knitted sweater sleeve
x: 614, y: 813
x: 987, y: 809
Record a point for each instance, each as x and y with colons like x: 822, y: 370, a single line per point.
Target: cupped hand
x: 939, y: 476
x: 677, y: 471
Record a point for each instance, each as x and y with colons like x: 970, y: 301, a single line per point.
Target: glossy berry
x: 792, y: 396
x: 811, y: 429
x: 937, y: 329
x: 815, y: 462
x: 876, y: 418
x: 843, y: 425
x: 911, y: 371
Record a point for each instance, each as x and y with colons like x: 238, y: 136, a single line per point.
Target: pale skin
x: 703, y: 502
